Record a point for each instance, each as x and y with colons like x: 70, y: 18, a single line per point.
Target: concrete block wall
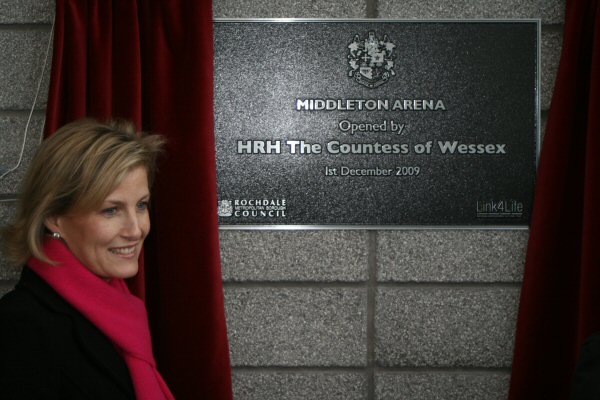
x: 337, y: 314
x: 25, y: 32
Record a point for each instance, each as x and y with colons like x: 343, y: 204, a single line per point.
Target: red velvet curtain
x: 151, y: 61
x: 560, y: 300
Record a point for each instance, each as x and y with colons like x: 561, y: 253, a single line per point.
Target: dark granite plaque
x: 376, y: 123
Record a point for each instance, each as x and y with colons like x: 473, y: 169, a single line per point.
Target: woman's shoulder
x: 19, y: 302
x: 31, y: 329
x: 22, y: 315
x: 32, y: 303
x: 28, y: 347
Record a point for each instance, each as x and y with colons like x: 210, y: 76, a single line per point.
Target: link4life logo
x: 371, y: 60
x: 500, y: 208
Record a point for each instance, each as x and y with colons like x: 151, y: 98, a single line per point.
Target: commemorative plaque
x: 373, y: 123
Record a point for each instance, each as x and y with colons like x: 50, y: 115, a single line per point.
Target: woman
x: 70, y: 329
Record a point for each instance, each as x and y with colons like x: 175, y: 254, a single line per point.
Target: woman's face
x: 108, y: 241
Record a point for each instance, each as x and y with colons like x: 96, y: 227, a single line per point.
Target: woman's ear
x: 52, y: 224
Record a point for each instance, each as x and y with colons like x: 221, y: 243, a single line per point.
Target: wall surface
x: 25, y: 31
x: 348, y: 314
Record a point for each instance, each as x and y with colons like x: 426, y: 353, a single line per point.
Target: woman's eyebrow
x: 119, y: 202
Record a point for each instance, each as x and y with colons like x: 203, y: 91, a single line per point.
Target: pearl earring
x: 56, y: 235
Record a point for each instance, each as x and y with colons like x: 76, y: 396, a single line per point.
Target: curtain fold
x: 151, y: 62
x: 560, y: 298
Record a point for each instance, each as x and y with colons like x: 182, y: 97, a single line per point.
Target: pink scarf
x: 111, y: 308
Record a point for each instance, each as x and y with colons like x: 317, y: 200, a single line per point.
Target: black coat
x: 48, y: 350
x: 586, y: 380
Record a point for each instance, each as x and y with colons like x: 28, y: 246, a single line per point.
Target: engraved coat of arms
x: 225, y: 208
x: 371, y: 60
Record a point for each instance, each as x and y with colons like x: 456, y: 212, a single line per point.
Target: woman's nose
x: 133, y: 226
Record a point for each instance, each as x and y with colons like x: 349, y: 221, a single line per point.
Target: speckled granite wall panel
x: 289, y: 9
x: 26, y: 11
x: 294, y: 255
x: 296, y: 326
x: 454, y: 256
x: 7, y: 211
x: 442, y: 386
x: 12, y: 134
x: 445, y: 327
x: 551, y: 50
x: 550, y: 11
x: 262, y: 107
x: 299, y: 386
x: 7, y: 271
x: 21, y: 64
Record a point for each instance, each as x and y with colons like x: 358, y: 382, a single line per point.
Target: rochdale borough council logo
x: 371, y: 60
x: 225, y: 208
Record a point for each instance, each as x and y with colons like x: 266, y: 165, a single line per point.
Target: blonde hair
x: 74, y: 170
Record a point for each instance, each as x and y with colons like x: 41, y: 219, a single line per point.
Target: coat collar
x: 91, y: 340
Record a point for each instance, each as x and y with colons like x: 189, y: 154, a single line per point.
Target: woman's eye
x: 142, y: 205
x: 109, y: 211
